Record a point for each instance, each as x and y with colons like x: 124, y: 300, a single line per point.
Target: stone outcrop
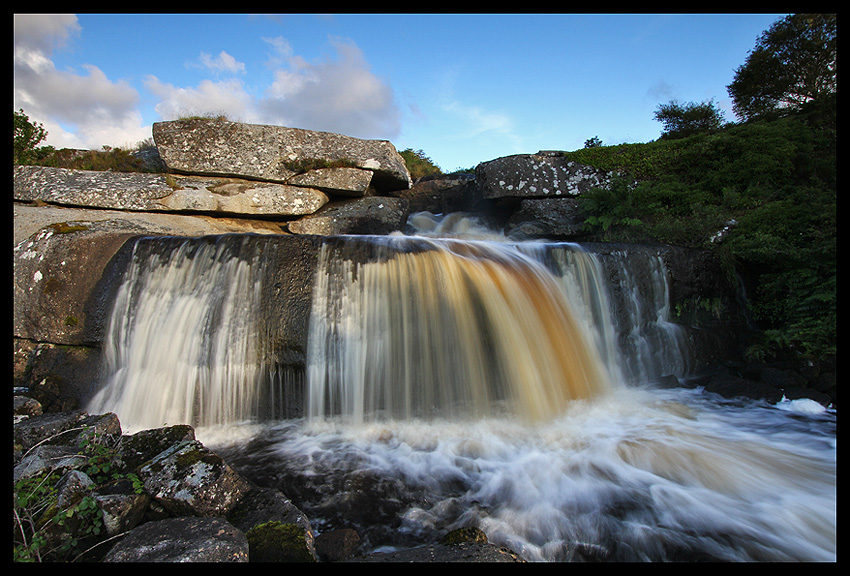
x: 441, y: 194
x: 142, y: 192
x: 187, y: 505
x: 272, y: 153
x: 541, y: 175
x: 552, y: 218
x: 182, y: 540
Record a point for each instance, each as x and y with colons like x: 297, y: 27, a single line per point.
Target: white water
x: 640, y: 475
x: 182, y: 344
x: 598, y: 468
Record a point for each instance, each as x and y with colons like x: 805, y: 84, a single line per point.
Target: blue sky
x: 463, y: 88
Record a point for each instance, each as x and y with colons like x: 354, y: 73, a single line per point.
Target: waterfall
x: 453, y: 327
x: 182, y: 343
x: 405, y: 327
x: 489, y: 384
x: 400, y: 327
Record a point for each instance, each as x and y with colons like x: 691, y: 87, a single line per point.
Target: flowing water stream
x: 465, y: 381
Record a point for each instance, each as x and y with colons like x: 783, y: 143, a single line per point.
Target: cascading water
x: 444, y: 328
x: 182, y: 342
x: 455, y: 383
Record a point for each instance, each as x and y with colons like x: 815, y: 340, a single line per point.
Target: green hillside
x: 770, y: 183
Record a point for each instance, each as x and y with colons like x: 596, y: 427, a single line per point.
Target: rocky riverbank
x: 85, y: 491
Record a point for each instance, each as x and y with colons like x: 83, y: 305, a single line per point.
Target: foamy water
x: 633, y: 475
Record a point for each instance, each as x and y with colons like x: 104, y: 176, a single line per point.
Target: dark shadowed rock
x: 369, y: 215
x: 730, y: 386
x: 463, y: 552
x: 182, y: 540
x: 441, y: 194
x: 337, y: 545
x: 263, y: 505
x: 550, y: 218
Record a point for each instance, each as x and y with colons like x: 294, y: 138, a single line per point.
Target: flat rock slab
x: 29, y: 219
x: 139, y: 191
x: 541, y: 175
x: 271, y: 153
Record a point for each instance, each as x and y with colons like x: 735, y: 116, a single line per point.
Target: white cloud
x: 337, y: 95
x: 100, y: 111
x: 224, y: 62
x: 44, y: 32
x: 228, y: 97
x: 84, y: 108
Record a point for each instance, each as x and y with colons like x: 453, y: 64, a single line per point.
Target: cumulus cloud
x: 340, y: 94
x: 228, y: 97
x: 224, y: 62
x: 85, y: 110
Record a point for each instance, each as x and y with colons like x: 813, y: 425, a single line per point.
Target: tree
x: 793, y: 63
x: 682, y: 120
x: 27, y: 136
x: 594, y: 142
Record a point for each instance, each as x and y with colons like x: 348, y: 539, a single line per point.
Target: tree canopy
x: 26, y: 137
x: 792, y: 64
x: 682, y: 120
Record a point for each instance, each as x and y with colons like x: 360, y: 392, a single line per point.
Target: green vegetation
x: 761, y: 193
x: 418, y: 164
x: 771, y: 184
x: 793, y: 63
x: 46, y: 530
x: 26, y: 139
x: 26, y: 150
x: 682, y: 120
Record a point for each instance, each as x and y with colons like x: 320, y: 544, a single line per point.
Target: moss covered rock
x: 279, y: 542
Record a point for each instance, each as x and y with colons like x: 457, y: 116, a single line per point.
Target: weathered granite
x: 336, y: 181
x: 29, y: 219
x: 271, y: 153
x: 182, y: 540
x: 550, y: 218
x: 541, y: 175
x: 139, y: 191
x: 188, y: 479
x: 369, y: 215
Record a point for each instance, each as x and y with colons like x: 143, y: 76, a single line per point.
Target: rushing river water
x: 634, y: 475
x: 470, y: 382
